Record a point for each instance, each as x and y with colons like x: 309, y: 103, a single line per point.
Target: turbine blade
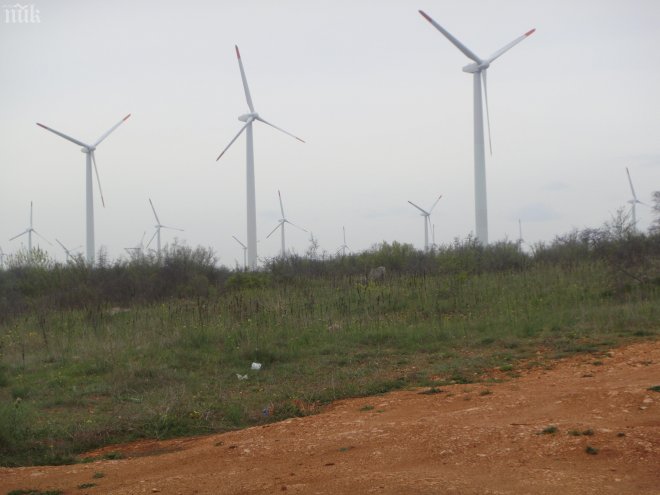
x: 63, y: 247
x: 632, y: 189
x: 98, y: 180
x: 69, y: 138
x: 485, y: 81
x: 279, y: 129
x: 436, y: 202
x: 152, y: 238
x: 154, y: 210
x: 243, y: 245
x: 111, y: 130
x: 245, y: 84
x: 22, y: 233
x: 279, y: 224
x: 296, y: 226
x: 171, y: 228
x: 466, y: 51
x: 508, y: 47
x: 281, y: 206
x: 42, y: 237
x: 424, y: 212
x: 235, y: 138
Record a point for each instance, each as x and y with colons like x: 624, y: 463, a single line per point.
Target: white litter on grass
x: 256, y: 366
x: 241, y: 377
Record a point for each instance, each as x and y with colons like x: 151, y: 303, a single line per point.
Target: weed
x: 591, y: 450
x: 549, y: 430
x: 368, y: 407
x: 654, y: 388
x: 485, y: 392
x: 86, y: 485
x: 98, y: 475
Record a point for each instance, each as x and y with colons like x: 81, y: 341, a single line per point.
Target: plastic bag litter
x: 256, y: 366
x: 241, y: 377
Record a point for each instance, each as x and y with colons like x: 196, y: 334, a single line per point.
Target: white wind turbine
x: 29, y: 232
x: 479, y: 69
x: 90, y: 159
x: 158, y: 227
x: 427, y: 220
x: 244, y: 253
x: 137, y: 250
x: 248, y: 118
x: 69, y: 252
x: 280, y: 225
x: 634, y: 201
x: 344, y: 246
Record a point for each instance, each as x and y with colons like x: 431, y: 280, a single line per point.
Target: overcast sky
x: 375, y: 91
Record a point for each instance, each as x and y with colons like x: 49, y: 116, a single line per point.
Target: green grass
x: 162, y: 370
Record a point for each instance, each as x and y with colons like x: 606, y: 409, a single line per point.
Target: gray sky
x: 374, y: 89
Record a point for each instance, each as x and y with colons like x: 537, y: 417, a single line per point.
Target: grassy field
x: 75, y: 379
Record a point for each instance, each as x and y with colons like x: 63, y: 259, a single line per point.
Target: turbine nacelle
x: 476, y: 67
x: 87, y: 150
x: 249, y: 117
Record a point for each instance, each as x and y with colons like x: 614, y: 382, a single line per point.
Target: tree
x: 655, y: 225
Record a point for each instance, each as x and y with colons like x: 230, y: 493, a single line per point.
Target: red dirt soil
x: 466, y: 439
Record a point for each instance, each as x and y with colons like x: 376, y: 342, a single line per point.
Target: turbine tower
x: 633, y: 202
x: 280, y: 225
x: 90, y: 159
x: 158, y: 227
x: 29, y: 232
x: 427, y: 220
x: 244, y: 252
x: 479, y: 69
x: 249, y: 118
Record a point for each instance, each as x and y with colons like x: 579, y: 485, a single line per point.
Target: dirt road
x: 465, y: 439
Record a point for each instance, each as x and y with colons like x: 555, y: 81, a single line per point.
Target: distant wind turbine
x: 29, y: 232
x: 158, y: 227
x: 634, y: 201
x: 479, y: 69
x: 137, y: 250
x: 90, y: 159
x: 244, y: 253
x: 280, y: 225
x: 248, y: 118
x: 427, y: 220
x: 68, y: 252
x: 344, y: 246
x: 2, y: 258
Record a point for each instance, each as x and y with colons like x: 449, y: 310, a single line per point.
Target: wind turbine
x: 633, y: 202
x: 427, y: 220
x: 67, y: 251
x: 90, y: 159
x: 138, y: 249
x: 479, y: 69
x: 344, y: 246
x: 2, y: 258
x: 244, y: 253
x: 29, y: 232
x: 280, y: 225
x: 158, y: 227
x: 249, y: 118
